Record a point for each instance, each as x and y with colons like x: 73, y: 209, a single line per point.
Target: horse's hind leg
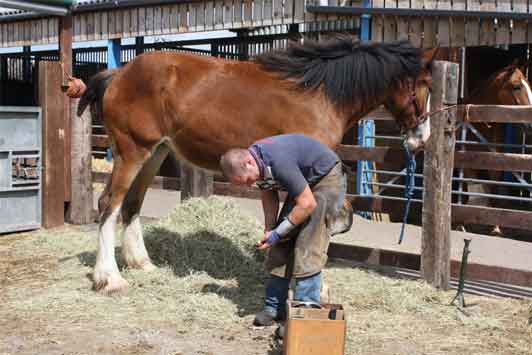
x: 106, y: 277
x: 133, y: 248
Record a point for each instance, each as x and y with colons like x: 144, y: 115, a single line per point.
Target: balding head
x: 239, y: 166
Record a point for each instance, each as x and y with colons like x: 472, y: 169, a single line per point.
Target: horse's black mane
x: 347, y: 69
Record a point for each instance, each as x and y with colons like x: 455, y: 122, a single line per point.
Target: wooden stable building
x: 426, y: 23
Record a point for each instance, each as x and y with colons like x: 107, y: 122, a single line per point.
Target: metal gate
x: 20, y: 168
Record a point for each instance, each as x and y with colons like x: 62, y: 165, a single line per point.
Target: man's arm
x: 270, y: 207
x: 305, y: 205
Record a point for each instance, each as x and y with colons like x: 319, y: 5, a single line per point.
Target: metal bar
x: 456, y: 192
x: 385, y: 137
x: 397, y: 173
x: 381, y: 190
x: 356, y: 10
x: 472, y: 180
x: 38, y: 8
x: 493, y: 196
x: 482, y: 139
x: 492, y: 182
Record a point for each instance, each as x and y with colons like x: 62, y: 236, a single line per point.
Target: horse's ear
x: 428, y: 57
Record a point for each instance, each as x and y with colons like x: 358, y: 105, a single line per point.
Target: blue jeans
x: 307, y: 289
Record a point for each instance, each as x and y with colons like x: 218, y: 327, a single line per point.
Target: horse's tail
x: 93, y: 95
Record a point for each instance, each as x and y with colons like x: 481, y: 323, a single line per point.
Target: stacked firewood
x: 25, y: 168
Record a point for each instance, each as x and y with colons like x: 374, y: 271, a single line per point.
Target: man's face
x: 250, y: 176
x: 246, y: 179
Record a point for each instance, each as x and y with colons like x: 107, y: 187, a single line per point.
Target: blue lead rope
x: 409, y: 186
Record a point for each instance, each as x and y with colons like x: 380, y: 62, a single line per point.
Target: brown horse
x: 199, y: 107
x: 507, y: 86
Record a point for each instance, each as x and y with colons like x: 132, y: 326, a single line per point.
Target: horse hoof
x: 112, y: 285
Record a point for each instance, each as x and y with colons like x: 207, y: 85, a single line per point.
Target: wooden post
x: 438, y: 169
x: 65, y: 57
x: 195, y: 182
x: 80, y: 209
x: 51, y: 100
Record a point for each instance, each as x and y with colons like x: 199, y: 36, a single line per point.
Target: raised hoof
x: 341, y: 221
x: 112, y: 285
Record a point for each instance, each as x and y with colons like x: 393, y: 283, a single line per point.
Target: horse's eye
x: 517, y: 87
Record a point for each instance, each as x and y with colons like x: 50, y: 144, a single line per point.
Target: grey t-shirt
x: 291, y: 161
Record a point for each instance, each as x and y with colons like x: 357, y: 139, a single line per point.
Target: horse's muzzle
x: 417, y: 137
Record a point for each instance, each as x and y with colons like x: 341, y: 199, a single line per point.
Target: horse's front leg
x: 106, y: 276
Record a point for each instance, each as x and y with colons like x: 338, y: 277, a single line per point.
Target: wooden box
x: 313, y: 331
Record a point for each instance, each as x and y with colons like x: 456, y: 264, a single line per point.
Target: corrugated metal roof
x: 7, y: 11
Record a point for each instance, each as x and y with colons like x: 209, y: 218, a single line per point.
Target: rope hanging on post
x: 409, y: 186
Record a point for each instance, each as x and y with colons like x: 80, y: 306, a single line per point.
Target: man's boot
x: 275, y: 303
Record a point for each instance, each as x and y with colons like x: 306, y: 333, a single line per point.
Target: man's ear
x: 428, y: 57
x: 249, y: 161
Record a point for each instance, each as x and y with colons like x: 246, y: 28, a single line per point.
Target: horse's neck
x: 359, y: 111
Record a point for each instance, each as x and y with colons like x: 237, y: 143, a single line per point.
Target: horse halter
x: 421, y: 117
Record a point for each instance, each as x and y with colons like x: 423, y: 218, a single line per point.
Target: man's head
x: 239, y: 167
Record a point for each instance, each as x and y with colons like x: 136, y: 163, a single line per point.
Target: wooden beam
x: 438, y: 171
x: 459, y: 213
x: 158, y: 182
x: 65, y: 57
x: 493, y: 161
x: 51, y: 100
x: 464, y: 214
x: 80, y: 207
x: 227, y: 189
x: 475, y: 113
x: 375, y: 256
x: 463, y: 159
x: 495, y: 113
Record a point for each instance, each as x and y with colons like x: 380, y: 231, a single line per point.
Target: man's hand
x: 269, y: 239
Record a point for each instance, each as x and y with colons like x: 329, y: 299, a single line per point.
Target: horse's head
x: 410, y: 99
x: 512, y: 87
x: 507, y: 86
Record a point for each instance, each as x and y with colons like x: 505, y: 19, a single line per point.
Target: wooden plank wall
x: 155, y: 20
x: 453, y: 32
x: 211, y: 15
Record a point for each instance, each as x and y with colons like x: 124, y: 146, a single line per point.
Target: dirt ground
x: 47, y: 305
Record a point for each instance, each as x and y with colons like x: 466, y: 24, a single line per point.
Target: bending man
x: 314, y: 209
